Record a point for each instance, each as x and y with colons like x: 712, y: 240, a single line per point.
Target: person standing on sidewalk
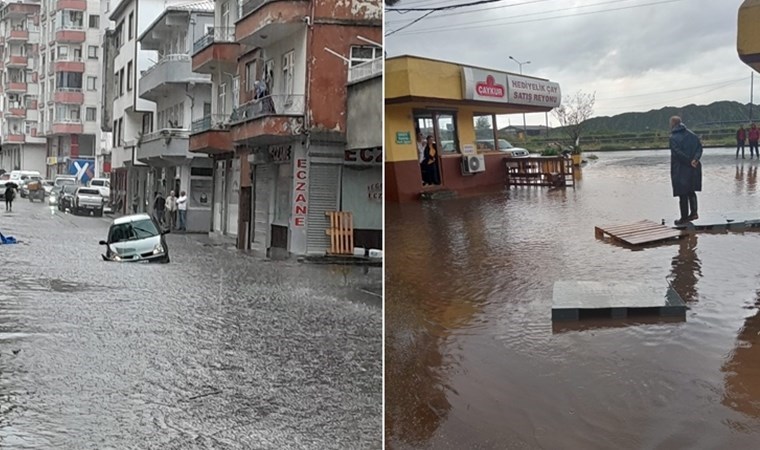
x: 754, y: 136
x: 159, y: 208
x: 171, y: 210
x: 182, y: 209
x: 741, y: 139
x: 685, y: 169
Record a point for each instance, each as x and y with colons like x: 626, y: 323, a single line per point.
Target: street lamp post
x: 525, y: 126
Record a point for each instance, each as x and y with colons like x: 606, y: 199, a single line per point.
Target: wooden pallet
x: 341, y: 232
x: 639, y: 233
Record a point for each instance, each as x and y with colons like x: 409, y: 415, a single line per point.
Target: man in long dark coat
x: 685, y: 169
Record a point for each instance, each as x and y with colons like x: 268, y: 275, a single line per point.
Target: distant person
x: 135, y: 203
x: 159, y: 208
x: 741, y: 139
x: 685, y: 169
x: 421, y: 154
x: 754, y: 136
x: 10, y: 194
x: 430, y: 172
x: 182, y: 209
x: 171, y: 210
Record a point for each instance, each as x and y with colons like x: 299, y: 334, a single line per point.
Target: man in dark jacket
x: 741, y: 139
x: 159, y: 208
x: 685, y: 168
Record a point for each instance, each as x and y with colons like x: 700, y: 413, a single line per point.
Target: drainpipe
x: 309, y: 54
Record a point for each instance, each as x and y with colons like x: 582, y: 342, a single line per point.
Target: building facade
x: 279, y: 155
x: 457, y: 105
x: 23, y: 143
x: 126, y: 115
x: 69, y: 67
x: 179, y: 95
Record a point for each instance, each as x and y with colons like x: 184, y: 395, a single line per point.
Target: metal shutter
x: 324, y: 189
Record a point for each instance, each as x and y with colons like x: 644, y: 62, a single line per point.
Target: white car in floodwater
x: 136, y: 238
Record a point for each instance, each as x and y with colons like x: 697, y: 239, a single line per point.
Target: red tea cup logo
x: 490, y: 88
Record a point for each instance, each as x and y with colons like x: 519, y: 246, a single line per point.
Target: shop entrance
x: 442, y: 126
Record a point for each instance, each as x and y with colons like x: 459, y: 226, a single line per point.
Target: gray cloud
x: 622, y: 53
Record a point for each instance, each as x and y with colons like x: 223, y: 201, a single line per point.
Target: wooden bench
x: 341, y: 232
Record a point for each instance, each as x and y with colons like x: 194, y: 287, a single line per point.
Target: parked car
x: 65, y: 179
x: 66, y: 197
x: 136, y: 238
x: 55, y: 194
x: 103, y: 185
x: 87, y: 200
x: 48, y: 185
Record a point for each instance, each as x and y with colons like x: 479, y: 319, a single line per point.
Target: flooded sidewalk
x: 217, y: 349
x: 474, y: 361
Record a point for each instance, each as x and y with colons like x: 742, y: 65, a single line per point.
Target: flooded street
x: 472, y: 358
x: 215, y: 350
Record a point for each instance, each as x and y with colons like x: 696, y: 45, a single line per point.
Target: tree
x: 572, y: 116
x: 483, y: 123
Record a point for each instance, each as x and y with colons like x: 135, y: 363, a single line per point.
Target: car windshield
x: 69, y: 188
x: 504, y: 145
x: 88, y: 191
x: 49, y: 183
x: 62, y: 181
x: 131, y: 231
x: 98, y: 183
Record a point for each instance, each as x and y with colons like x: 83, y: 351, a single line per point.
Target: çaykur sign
x: 500, y: 87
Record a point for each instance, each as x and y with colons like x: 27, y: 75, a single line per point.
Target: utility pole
x: 751, y: 94
x: 525, y: 126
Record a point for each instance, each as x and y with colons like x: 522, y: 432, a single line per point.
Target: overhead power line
x: 445, y: 7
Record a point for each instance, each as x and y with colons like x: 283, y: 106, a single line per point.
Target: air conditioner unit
x: 473, y: 164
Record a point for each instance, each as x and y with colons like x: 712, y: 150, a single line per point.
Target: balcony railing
x: 271, y: 105
x: 167, y: 133
x: 68, y: 89
x: 167, y: 59
x: 218, y: 34
x: 67, y: 121
x: 364, y: 70
x: 69, y: 27
x: 211, y: 122
x: 68, y: 58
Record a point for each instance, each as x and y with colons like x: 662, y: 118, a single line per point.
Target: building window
x: 129, y: 76
x: 131, y: 25
x: 91, y: 114
x: 69, y: 80
x: 119, y: 32
x: 121, y: 130
x: 250, y: 76
x: 94, y: 21
x: 92, y: 52
x: 147, y: 125
x: 221, y: 105
x: 92, y: 83
x: 485, y: 132
x: 288, y: 67
x: 362, y: 54
x: 116, y: 84
x: 121, y: 82
x: 63, y: 53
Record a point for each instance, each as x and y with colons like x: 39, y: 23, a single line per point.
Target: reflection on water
x: 473, y: 360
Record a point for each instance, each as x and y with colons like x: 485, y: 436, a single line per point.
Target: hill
x: 719, y: 114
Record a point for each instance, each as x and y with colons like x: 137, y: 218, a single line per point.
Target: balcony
x: 69, y: 96
x: 265, y: 21
x: 166, y: 147
x: 365, y: 70
x: 171, y: 70
x: 19, y: 61
x: 215, y: 50
x: 274, y: 116
x: 16, y: 111
x: 74, y: 5
x: 16, y: 138
x: 66, y: 126
x: 69, y: 64
x: 17, y: 88
x: 18, y: 36
x: 73, y: 34
x: 211, y: 135
x: 19, y: 10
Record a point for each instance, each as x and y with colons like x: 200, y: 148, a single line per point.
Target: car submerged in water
x: 136, y: 238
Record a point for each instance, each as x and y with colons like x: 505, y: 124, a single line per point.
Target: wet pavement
x: 214, y: 350
x: 474, y: 361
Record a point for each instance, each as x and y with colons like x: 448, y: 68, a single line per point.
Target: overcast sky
x: 653, y: 53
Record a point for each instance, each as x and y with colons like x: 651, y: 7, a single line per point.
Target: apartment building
x: 277, y: 131
x: 69, y: 93
x: 23, y: 146
x: 179, y: 95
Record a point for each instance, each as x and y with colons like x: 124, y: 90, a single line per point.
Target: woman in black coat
x: 685, y: 169
x: 431, y: 173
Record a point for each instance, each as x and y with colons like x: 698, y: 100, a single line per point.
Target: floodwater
x: 472, y: 358
x: 215, y: 350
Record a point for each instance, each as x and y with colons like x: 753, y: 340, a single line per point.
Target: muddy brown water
x: 472, y: 357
